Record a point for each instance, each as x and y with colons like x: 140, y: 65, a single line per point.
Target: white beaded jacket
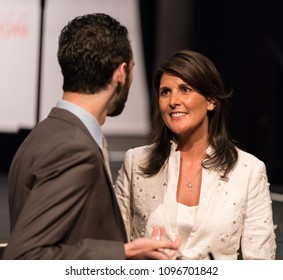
x: 233, y: 212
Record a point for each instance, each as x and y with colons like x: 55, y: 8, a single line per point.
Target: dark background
x: 244, y: 39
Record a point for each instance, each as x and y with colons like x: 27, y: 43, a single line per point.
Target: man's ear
x: 120, y: 73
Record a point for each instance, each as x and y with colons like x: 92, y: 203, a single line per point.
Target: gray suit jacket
x: 61, y: 200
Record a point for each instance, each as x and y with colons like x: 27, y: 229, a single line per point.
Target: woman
x: 192, y: 179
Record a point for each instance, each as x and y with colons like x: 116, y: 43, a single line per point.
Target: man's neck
x: 96, y: 104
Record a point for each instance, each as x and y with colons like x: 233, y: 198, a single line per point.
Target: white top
x: 185, y: 220
x: 186, y: 216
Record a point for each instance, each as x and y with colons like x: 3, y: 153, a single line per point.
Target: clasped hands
x: 157, y: 247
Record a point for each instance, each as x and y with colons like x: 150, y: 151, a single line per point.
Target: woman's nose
x: 174, y: 100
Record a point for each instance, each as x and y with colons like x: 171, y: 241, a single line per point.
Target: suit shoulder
x: 139, y: 149
x: 249, y: 159
x: 137, y: 153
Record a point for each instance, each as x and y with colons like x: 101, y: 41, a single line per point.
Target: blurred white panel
x: 19, y: 35
x: 135, y: 118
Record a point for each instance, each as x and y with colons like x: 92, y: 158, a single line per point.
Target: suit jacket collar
x: 65, y: 115
x: 57, y: 113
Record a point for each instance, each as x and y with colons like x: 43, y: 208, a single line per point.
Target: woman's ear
x: 211, y: 104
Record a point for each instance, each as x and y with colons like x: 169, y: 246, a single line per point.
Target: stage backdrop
x: 19, y: 48
x: 134, y: 119
x: 19, y: 33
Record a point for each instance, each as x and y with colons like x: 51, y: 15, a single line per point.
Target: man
x: 61, y: 200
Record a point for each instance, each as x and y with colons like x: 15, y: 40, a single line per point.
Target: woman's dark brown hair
x: 201, y: 74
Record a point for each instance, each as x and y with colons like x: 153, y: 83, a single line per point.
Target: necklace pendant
x: 189, y: 185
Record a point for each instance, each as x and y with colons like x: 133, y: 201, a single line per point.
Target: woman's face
x: 183, y: 110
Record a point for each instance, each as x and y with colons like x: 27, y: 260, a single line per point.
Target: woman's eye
x: 164, y: 92
x: 186, y: 89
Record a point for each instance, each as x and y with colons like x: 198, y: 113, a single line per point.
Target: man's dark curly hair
x: 91, y: 47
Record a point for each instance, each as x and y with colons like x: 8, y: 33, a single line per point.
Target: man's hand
x: 157, y: 247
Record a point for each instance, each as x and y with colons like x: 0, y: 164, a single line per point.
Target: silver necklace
x: 189, y: 183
